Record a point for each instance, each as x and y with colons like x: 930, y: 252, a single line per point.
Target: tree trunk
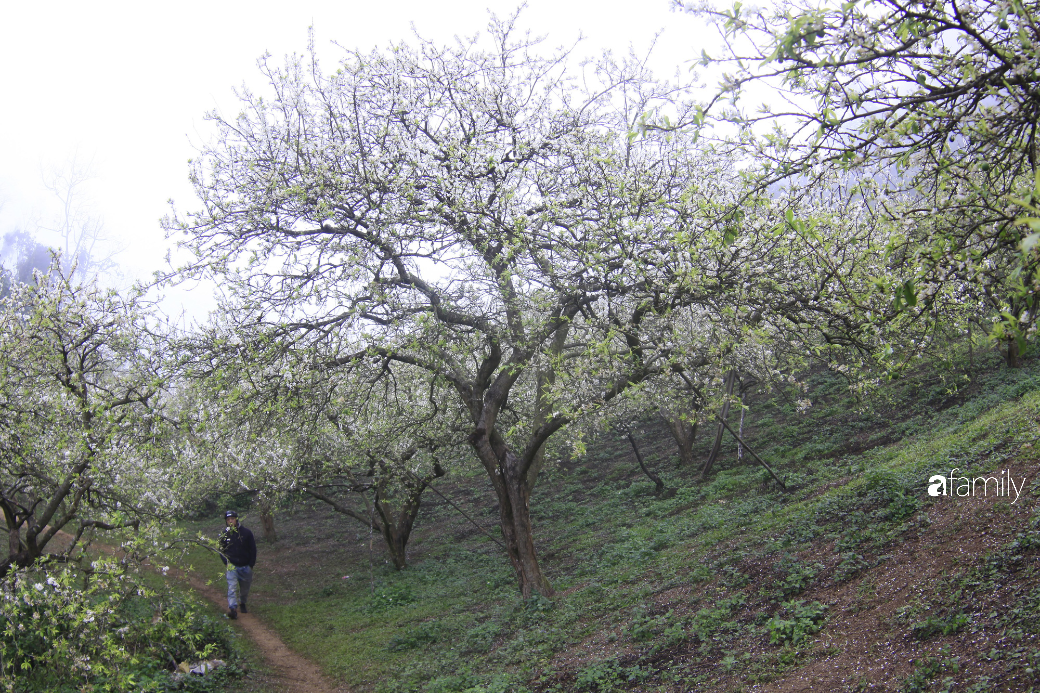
x: 21, y: 559
x: 731, y: 379
x: 658, y: 483
x: 1013, y: 353
x: 740, y: 431
x: 971, y: 355
x: 267, y: 520
x: 684, y: 434
x: 14, y: 540
x: 396, y: 536
x: 544, y: 381
x: 514, y: 501
x: 519, y: 534
x: 396, y: 527
x: 393, y: 520
x: 394, y: 539
x: 22, y: 551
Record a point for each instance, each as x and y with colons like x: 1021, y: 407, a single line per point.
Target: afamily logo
x: 1002, y: 485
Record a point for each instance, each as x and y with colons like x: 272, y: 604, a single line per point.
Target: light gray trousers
x: 238, y: 581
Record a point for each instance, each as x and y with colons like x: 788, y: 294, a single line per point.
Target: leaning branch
x: 461, y: 511
x: 753, y: 454
x: 342, y: 509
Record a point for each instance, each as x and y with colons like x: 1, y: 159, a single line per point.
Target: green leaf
x: 910, y: 292
x: 1030, y: 241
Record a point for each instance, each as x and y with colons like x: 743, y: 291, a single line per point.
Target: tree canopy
x: 506, y: 231
x: 81, y: 377
x: 477, y: 213
x: 932, y: 108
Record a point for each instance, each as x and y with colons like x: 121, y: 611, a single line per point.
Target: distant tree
x: 21, y: 256
x: 85, y: 250
x: 74, y: 235
x: 384, y: 441
x: 931, y: 107
x: 80, y: 431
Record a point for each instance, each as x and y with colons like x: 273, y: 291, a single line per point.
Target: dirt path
x: 290, y: 672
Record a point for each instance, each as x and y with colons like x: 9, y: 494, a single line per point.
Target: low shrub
x: 799, y: 621
x: 112, y: 634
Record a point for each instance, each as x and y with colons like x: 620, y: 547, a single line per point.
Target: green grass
x: 657, y: 594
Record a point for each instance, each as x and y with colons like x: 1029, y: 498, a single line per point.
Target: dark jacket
x: 238, y: 547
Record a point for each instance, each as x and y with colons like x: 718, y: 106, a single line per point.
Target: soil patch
x: 873, y: 648
x: 292, y: 672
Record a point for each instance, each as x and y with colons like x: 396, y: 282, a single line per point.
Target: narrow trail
x: 295, y: 673
x: 290, y: 672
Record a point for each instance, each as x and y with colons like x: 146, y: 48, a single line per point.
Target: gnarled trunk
x: 396, y: 524
x: 19, y: 559
x: 391, y: 517
x: 22, y: 549
x: 397, y: 544
x: 514, y: 499
x: 684, y: 433
x: 25, y: 551
x: 267, y: 521
x: 1012, y: 358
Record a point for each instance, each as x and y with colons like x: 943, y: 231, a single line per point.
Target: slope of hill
x: 856, y: 580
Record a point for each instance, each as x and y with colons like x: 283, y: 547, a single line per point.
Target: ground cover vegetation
x: 729, y: 583
x: 111, y: 622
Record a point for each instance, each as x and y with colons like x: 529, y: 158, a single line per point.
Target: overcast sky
x: 123, y: 87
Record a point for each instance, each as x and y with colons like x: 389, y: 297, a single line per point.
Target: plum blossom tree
x: 81, y: 383
x: 931, y: 106
x: 478, y: 214
x: 794, y: 283
x: 258, y: 417
x: 388, y: 438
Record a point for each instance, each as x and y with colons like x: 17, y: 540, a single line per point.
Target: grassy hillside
x: 857, y: 579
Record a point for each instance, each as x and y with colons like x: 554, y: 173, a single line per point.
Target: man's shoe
x: 232, y: 614
x: 242, y: 608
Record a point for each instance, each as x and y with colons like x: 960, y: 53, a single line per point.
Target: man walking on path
x: 238, y: 551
